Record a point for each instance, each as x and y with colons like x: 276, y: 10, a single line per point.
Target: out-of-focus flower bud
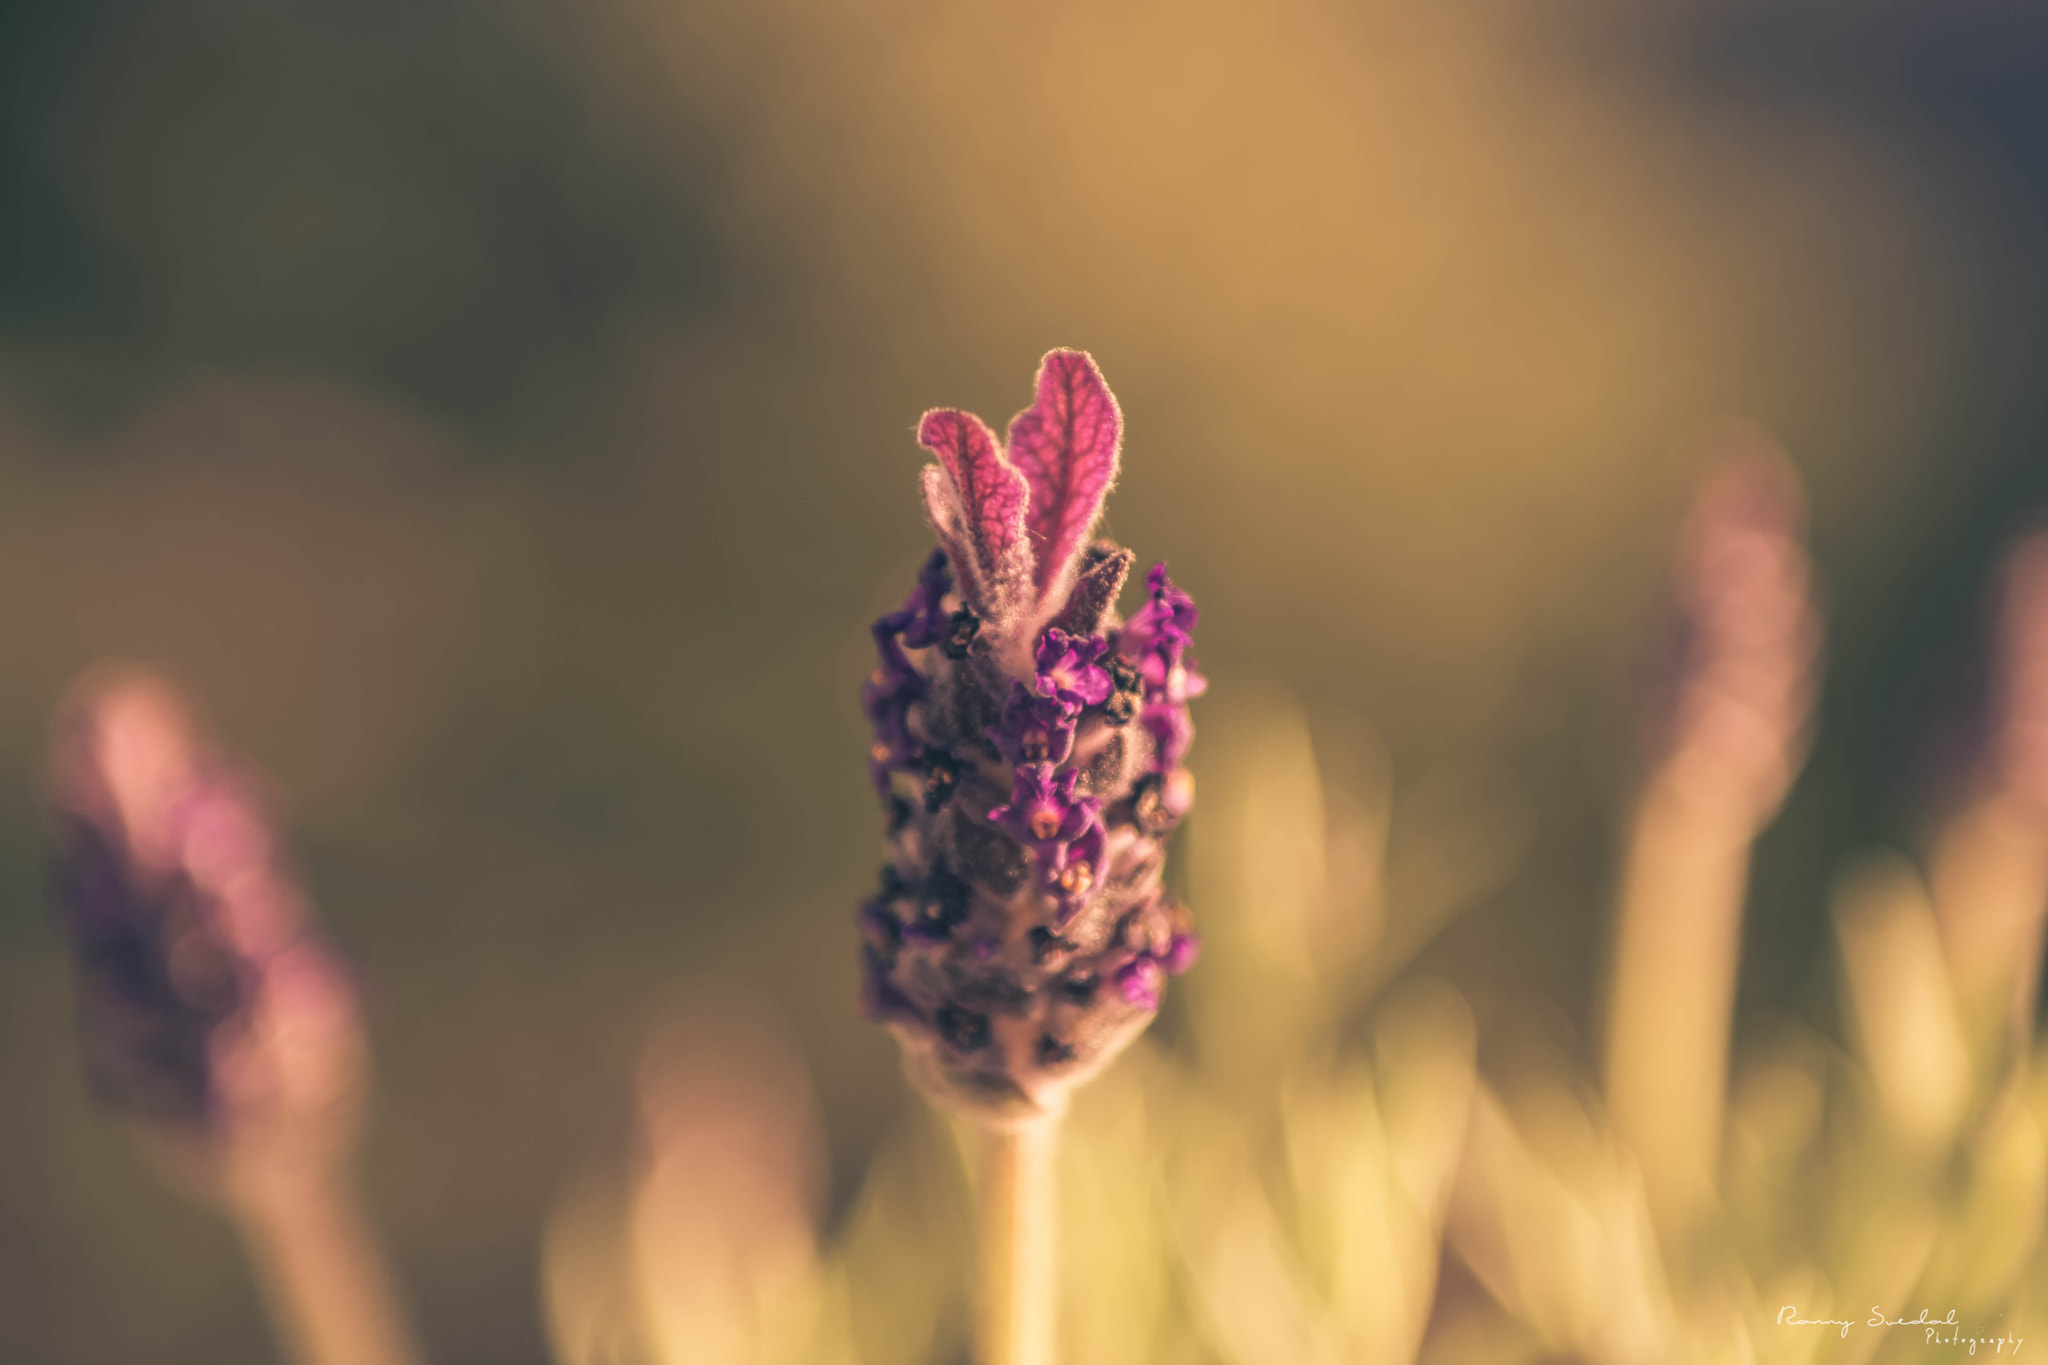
x: 1731, y: 725
x: 210, y: 1006
x: 213, y: 1012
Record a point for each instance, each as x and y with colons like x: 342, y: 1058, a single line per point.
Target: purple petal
x: 1171, y: 732
x: 1065, y: 444
x: 989, y: 496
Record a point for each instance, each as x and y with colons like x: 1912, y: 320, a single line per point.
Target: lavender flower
x: 1732, y: 720
x: 1019, y: 937
x: 209, y: 1005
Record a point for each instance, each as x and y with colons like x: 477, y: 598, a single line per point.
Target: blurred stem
x: 1990, y: 887
x: 1678, y: 940
x: 323, y: 1275
x: 1014, y: 1301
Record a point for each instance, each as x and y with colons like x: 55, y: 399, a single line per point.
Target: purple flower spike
x: 1021, y: 938
x: 1067, y: 671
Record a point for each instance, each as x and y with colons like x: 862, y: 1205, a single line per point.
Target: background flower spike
x: 1728, y: 733
x: 211, y: 1010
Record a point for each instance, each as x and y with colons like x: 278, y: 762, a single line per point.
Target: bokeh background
x: 498, y: 413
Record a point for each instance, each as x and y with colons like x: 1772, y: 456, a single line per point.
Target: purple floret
x: 1067, y: 671
x: 1171, y: 731
x: 1042, y: 812
x: 1033, y: 729
x: 1076, y: 869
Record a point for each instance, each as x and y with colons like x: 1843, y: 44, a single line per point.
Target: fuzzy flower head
x: 1732, y: 720
x: 209, y: 1004
x: 1028, y: 746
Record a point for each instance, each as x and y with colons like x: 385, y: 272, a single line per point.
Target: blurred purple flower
x: 1731, y: 716
x: 207, y: 999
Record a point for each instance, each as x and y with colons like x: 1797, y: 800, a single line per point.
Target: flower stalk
x: 1014, y: 1290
